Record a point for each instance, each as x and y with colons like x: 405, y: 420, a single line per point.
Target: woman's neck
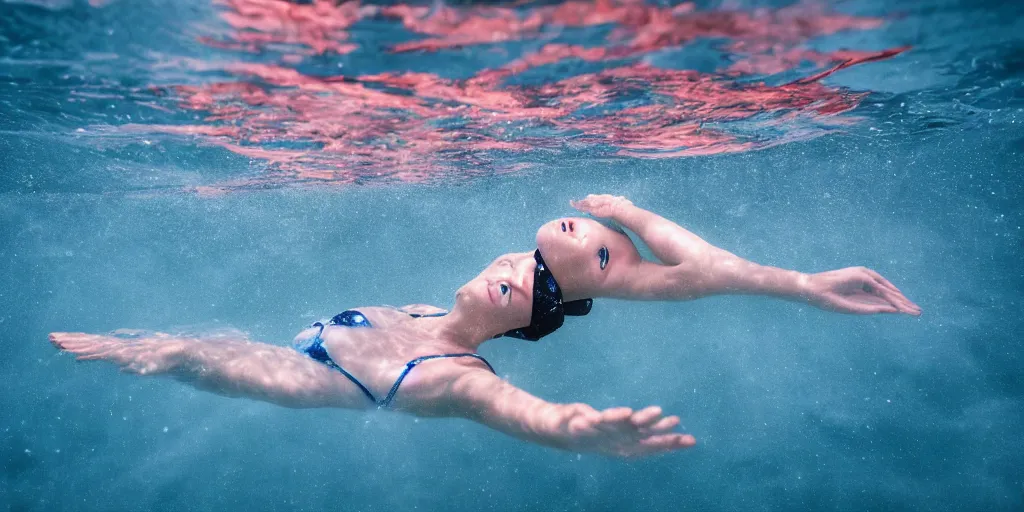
x: 459, y: 329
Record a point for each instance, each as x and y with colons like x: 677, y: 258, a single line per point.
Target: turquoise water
x: 109, y: 219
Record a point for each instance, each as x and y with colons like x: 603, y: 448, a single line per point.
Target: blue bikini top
x: 353, y: 318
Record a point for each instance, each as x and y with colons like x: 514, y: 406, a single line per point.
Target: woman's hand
x: 602, y: 205
x: 623, y: 432
x: 481, y: 396
x: 858, y: 290
x: 155, y: 354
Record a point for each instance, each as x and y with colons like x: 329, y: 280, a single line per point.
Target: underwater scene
x: 530, y: 255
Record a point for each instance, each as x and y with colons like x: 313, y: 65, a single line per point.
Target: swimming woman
x: 366, y: 358
x: 590, y: 259
x: 414, y: 360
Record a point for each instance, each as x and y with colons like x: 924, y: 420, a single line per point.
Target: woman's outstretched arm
x: 227, y: 366
x: 485, y: 398
x: 694, y: 268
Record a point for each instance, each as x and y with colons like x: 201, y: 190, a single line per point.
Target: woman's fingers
x: 646, y: 417
x: 649, y: 419
x: 664, y: 443
x: 664, y: 424
x: 901, y: 302
x: 584, y: 205
x: 881, y: 280
x: 870, y: 293
x: 906, y: 304
x: 71, y: 340
x: 583, y: 424
x: 624, y: 432
x: 93, y: 349
x: 890, y: 295
x: 894, y: 294
x: 615, y: 417
x: 93, y: 355
x: 581, y: 206
x: 599, y: 205
x: 867, y: 309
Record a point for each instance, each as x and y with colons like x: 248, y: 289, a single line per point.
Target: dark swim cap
x: 548, y: 309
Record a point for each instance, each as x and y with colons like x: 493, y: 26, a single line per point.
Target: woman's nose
x: 524, y: 270
x: 570, y: 228
x: 507, y: 269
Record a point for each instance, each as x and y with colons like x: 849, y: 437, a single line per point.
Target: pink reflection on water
x: 415, y: 127
x: 320, y: 26
x: 639, y: 27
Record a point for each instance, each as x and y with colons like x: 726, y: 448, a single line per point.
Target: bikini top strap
x: 386, y: 402
x: 425, y: 315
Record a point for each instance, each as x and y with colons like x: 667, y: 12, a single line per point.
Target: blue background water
x: 793, y: 408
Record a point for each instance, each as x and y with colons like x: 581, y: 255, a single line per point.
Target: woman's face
x: 503, y: 291
x: 582, y: 253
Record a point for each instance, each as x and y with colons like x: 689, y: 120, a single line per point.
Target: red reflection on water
x: 319, y: 26
x: 416, y: 127
x: 849, y: 58
x: 640, y: 27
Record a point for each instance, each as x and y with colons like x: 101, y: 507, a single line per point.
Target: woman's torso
x: 376, y: 349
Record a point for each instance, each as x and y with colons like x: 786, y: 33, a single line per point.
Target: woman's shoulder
x: 430, y: 390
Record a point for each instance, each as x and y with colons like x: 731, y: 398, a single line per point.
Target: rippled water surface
x: 256, y: 164
x: 316, y: 94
